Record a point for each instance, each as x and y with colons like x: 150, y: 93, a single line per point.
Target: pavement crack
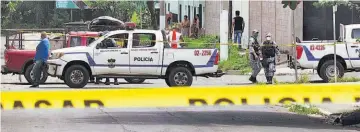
x: 113, y: 118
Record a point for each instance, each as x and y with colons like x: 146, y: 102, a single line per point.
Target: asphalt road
x: 206, y: 119
x: 11, y: 82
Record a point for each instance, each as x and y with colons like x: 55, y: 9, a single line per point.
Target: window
x: 90, y: 40
x: 169, y: 7
x: 115, y: 41
x: 180, y: 13
x: 75, y: 41
x: 143, y: 40
x: 355, y: 33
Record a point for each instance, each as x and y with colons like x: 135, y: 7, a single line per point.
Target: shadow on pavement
x: 232, y: 118
x: 314, y: 81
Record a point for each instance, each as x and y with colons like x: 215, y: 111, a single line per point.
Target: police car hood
x: 73, y: 49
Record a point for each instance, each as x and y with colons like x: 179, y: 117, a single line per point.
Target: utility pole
x: 334, y: 26
x: 162, y: 15
x: 230, y: 19
x: 294, y: 42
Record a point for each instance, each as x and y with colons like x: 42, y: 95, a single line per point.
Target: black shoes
x: 269, y: 80
x: 253, y: 79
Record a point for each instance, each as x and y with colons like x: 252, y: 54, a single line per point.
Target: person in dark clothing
x: 269, y: 51
x: 41, y: 57
x: 238, y: 28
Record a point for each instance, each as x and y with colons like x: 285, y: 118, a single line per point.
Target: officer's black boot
x: 97, y: 80
x: 116, y: 81
x: 253, y: 79
x: 107, y: 82
x: 269, y: 80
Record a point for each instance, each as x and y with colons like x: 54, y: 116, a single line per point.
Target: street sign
x: 72, y: 4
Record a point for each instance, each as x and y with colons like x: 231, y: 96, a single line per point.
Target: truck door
x: 144, y: 54
x: 353, y: 48
x: 111, y: 56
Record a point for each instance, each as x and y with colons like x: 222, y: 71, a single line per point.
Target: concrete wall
x: 212, y: 16
x: 243, y: 7
x: 270, y: 16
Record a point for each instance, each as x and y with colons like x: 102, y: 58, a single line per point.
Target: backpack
x: 268, y: 50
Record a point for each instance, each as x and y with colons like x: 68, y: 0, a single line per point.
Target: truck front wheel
x: 179, y: 76
x: 29, y: 75
x: 76, y: 76
x: 327, y: 70
x: 134, y: 80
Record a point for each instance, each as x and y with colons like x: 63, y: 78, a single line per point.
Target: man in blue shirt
x: 41, y: 56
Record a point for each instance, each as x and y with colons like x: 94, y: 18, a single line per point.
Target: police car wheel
x: 167, y: 82
x: 76, y: 76
x: 134, y: 80
x: 29, y: 75
x: 327, y: 70
x: 180, y: 76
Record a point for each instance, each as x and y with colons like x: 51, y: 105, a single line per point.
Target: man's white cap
x: 255, y: 31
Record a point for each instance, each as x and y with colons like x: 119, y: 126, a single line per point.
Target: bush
x: 235, y: 60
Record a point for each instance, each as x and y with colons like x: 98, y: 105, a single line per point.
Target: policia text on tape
x: 180, y: 97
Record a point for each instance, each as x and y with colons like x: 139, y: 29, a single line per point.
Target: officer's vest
x: 256, y: 46
x: 269, y: 49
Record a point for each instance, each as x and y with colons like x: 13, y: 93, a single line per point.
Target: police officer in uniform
x: 254, y: 55
x: 269, y: 51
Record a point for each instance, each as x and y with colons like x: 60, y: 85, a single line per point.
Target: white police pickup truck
x: 140, y: 54
x: 319, y: 55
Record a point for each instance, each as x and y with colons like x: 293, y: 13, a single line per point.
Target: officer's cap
x: 255, y: 31
x: 268, y: 35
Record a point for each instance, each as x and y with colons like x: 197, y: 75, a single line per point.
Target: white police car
x: 140, y: 54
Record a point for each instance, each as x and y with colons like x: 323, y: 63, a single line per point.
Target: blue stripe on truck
x: 311, y: 57
x: 91, y: 61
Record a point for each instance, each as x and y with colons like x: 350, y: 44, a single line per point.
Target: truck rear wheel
x: 327, y: 70
x: 134, y: 80
x: 179, y: 76
x: 29, y: 75
x: 76, y: 76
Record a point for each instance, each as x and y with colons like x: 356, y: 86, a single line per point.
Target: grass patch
x: 303, y: 110
x: 235, y: 60
x: 345, y: 79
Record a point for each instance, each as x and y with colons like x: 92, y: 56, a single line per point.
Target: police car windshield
x: 98, y: 40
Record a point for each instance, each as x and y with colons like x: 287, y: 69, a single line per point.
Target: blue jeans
x: 237, y: 37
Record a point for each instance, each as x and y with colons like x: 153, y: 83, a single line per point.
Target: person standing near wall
x: 238, y: 28
x: 269, y: 50
x: 195, y: 27
x: 255, y: 56
x: 185, y: 25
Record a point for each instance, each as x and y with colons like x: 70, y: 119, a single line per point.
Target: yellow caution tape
x: 179, y: 97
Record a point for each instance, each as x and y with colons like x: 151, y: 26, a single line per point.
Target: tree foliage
x: 349, y: 4
x: 43, y: 14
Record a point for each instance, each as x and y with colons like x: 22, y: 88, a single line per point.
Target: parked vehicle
x: 140, y: 54
x: 20, y: 51
x: 319, y: 55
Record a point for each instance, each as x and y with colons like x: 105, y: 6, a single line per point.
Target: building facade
x: 265, y: 16
x: 180, y: 8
